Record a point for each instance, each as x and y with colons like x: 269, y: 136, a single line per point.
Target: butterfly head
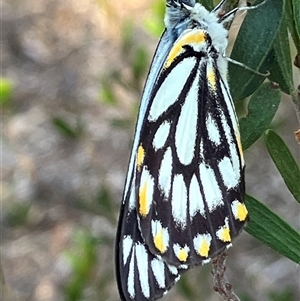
x: 182, y: 15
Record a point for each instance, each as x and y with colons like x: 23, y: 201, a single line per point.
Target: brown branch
x: 223, y: 288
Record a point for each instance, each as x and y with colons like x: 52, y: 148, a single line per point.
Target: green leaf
x: 252, y: 47
x: 296, y: 10
x: 270, y: 229
x: 296, y: 6
x: 292, y: 9
x: 261, y: 110
x: 284, y: 162
x: 281, y: 71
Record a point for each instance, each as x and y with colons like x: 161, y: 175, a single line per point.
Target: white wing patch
x: 233, y: 117
x: 130, y: 280
x: 186, y: 129
x: 229, y: 175
x: 161, y: 135
x: 213, y: 131
x: 223, y: 233
x: 212, y: 192
x: 239, y: 210
x: 181, y: 252
x: 142, y: 264
x: 195, y: 199
x: 179, y: 201
x: 233, y: 153
x: 158, y: 269
x: 229, y: 104
x: 165, y: 173
x: 173, y: 270
x: 165, y: 96
x: 127, y: 246
x: 132, y: 196
x: 202, y: 244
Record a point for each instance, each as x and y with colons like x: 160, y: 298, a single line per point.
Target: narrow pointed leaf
x: 281, y: 71
x: 296, y: 10
x: 270, y: 229
x: 252, y: 47
x: 261, y: 110
x: 290, y: 13
x: 284, y: 161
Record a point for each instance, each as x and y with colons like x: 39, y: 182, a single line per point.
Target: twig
x: 223, y: 288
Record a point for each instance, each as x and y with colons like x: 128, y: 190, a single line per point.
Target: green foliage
x: 264, y: 31
x: 272, y: 230
x: 285, y: 295
x: 154, y: 24
x: 107, y: 93
x: 17, y: 215
x: 281, y: 69
x: 83, y: 260
x: 253, y: 46
x: 261, y: 109
x: 103, y: 202
x: 186, y: 289
x: 101, y: 205
x: 66, y: 129
x: 293, y: 20
x: 6, y: 89
x: 284, y: 161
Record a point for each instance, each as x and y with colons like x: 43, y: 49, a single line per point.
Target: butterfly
x: 183, y: 200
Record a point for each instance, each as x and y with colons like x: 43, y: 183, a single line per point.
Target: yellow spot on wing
x: 159, y: 242
x: 182, y: 255
x: 242, y: 212
x: 193, y: 37
x: 211, y: 78
x: 224, y: 234
x: 143, y: 200
x: 204, y: 248
x: 140, y: 157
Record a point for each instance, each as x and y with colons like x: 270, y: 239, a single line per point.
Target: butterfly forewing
x: 189, y: 169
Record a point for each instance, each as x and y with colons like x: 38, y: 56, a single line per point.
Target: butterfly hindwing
x: 141, y: 274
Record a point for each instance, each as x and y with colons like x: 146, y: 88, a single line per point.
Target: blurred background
x: 72, y: 73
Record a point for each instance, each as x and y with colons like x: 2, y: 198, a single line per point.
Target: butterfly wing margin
x: 161, y: 52
x: 141, y: 275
